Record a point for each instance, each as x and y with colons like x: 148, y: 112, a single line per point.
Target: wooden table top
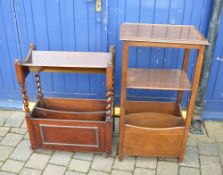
x: 162, y: 33
x: 68, y: 59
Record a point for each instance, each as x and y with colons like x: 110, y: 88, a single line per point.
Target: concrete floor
x: 204, y: 155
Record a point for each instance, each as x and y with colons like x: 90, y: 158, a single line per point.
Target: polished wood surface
x: 123, y: 99
x: 162, y: 33
x: 69, y: 59
x: 72, y: 104
x: 160, y: 79
x: 68, y: 115
x: 69, y: 124
x: 170, y: 108
x: 143, y: 141
x: 143, y: 130
x: 153, y: 120
x: 69, y: 135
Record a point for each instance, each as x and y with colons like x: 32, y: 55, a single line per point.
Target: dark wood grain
x: 157, y: 128
x: 69, y: 59
x: 143, y: 141
x: 69, y: 124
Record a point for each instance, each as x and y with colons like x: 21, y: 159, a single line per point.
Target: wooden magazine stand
x: 65, y: 123
x: 157, y: 128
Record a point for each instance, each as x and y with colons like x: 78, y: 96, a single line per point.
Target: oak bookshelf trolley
x: 152, y: 128
x: 67, y: 123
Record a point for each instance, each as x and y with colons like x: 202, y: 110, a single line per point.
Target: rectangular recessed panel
x: 158, y: 79
x: 162, y: 33
x: 69, y: 135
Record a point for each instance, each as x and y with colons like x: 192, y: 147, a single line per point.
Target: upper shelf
x: 59, y: 60
x: 162, y: 33
x: 158, y: 79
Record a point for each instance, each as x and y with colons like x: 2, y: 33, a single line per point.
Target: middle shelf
x: 158, y: 79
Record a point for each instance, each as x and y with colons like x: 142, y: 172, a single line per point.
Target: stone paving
x: 204, y: 155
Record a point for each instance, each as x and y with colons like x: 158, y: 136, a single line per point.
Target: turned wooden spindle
x: 112, y: 50
x: 108, y: 102
x: 38, y: 85
x: 25, y: 100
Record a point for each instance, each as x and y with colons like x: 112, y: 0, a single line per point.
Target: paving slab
x: 24, y: 125
x: 21, y: 131
x: 142, y: 171
x: 11, y: 139
x: 115, y: 141
x: 219, y: 136
x: 191, y: 158
x: 44, y: 151
x: 80, y: 165
x: 4, y: 115
x: 146, y: 162
x: 210, y: 149
x: 167, y: 168
x: 84, y: 156
x: 15, y: 119
x: 12, y: 166
x: 210, y: 165
x: 37, y: 161
x: 168, y: 159
x: 4, y: 131
x: 120, y: 172
x: 102, y: 164
x: 93, y: 172
x: 27, y: 171
x: 61, y: 158
x: 189, y: 171
x: 192, y: 141
x: 22, y: 152
x: 74, y: 173
x: 128, y: 163
x: 54, y: 170
x: 7, y: 173
x: 5, y: 151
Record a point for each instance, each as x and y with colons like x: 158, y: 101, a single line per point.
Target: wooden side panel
x: 70, y: 135
x: 67, y: 115
x: 139, y: 141
x: 78, y: 105
x: 151, y: 106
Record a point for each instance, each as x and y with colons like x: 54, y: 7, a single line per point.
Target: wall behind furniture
x: 73, y: 25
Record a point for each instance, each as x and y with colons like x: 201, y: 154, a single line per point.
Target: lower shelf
x: 70, y: 124
x: 155, y: 131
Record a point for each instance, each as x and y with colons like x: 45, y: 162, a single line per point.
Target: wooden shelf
x: 160, y: 33
x: 59, y: 61
x: 157, y: 128
x: 68, y: 124
x: 158, y: 79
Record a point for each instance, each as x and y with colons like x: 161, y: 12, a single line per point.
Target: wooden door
x: 69, y: 25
